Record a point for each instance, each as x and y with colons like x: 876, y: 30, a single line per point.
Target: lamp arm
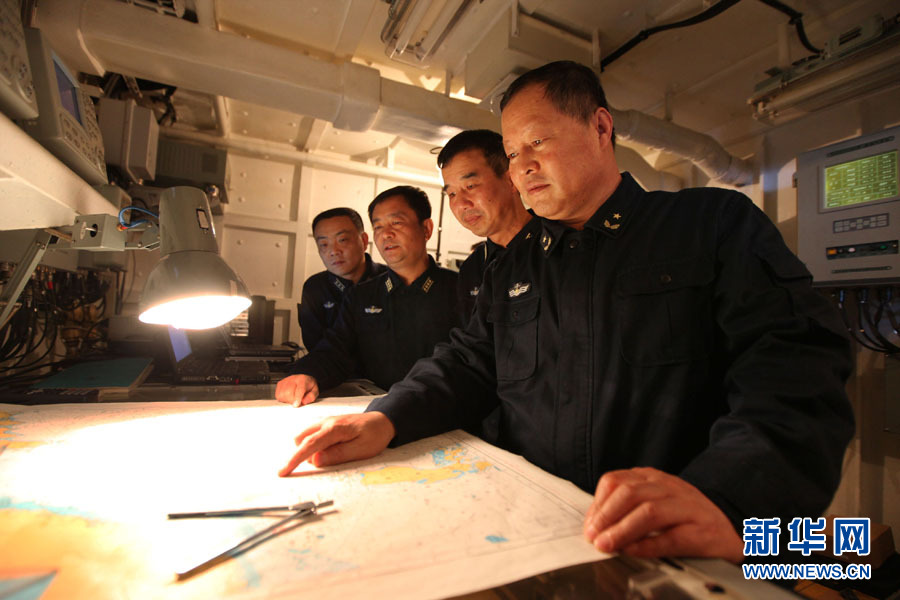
x: 24, y: 269
x: 149, y: 239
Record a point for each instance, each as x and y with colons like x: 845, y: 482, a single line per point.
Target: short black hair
x: 415, y: 198
x: 571, y: 87
x: 341, y: 211
x: 489, y: 142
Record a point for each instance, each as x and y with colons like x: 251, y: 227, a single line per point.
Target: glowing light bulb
x: 198, y: 312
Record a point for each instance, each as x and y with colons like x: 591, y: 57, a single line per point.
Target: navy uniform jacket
x: 320, y: 301
x: 471, y: 272
x: 675, y: 331
x: 384, y: 327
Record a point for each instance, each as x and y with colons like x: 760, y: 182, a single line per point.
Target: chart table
x: 85, y: 490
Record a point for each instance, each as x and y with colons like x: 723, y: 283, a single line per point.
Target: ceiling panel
x: 263, y: 122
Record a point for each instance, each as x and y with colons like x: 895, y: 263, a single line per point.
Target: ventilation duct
x: 701, y: 149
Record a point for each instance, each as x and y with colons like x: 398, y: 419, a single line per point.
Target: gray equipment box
x: 848, y: 210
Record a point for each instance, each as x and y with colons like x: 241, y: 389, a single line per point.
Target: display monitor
x: 67, y: 123
x: 181, y: 345
x: 861, y: 180
x: 68, y: 90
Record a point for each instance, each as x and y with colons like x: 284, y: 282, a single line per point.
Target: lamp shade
x: 191, y: 287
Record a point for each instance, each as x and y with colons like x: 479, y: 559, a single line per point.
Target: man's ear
x: 428, y: 224
x: 603, y: 123
x: 512, y: 186
x: 365, y: 239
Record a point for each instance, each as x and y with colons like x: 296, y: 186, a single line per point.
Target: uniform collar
x: 610, y: 219
x: 372, y: 268
x: 342, y: 283
x: 423, y: 282
x: 489, y: 250
x: 528, y: 231
x: 339, y: 282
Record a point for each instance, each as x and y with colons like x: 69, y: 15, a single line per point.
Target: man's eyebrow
x: 469, y: 175
x: 393, y: 214
x: 339, y: 232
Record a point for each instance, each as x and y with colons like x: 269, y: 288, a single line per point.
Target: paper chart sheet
x: 85, y: 489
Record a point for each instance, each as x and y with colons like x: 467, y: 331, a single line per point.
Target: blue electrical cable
x: 138, y: 222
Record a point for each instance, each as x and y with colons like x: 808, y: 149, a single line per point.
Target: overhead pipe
x: 108, y: 35
x: 701, y: 149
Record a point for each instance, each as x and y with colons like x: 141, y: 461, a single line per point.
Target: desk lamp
x: 191, y: 287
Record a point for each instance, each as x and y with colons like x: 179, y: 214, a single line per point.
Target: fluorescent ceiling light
x: 852, y: 66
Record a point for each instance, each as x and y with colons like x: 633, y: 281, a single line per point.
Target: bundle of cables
x: 55, y: 307
x: 875, y: 323
x: 60, y: 308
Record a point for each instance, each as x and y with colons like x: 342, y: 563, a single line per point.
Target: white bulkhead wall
x: 266, y: 233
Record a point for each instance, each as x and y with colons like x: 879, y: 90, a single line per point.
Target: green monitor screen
x: 862, y: 180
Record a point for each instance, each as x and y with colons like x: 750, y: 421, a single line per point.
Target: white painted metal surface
x: 36, y: 189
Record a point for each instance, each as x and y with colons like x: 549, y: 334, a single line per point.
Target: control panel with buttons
x: 862, y: 222
x: 861, y: 250
x: 17, y: 97
x: 67, y: 123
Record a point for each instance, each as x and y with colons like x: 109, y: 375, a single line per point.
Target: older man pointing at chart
x: 664, y: 351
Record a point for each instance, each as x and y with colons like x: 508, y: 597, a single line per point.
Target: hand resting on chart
x: 297, y: 390
x: 648, y: 513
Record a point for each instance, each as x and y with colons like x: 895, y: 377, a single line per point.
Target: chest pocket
x: 515, y: 337
x: 369, y: 320
x: 666, y: 311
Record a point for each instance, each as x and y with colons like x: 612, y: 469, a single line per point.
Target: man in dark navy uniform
x: 341, y: 241
x: 484, y: 201
x: 389, y: 322
x: 665, y: 351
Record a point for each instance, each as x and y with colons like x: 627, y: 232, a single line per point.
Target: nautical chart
x: 85, y: 489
